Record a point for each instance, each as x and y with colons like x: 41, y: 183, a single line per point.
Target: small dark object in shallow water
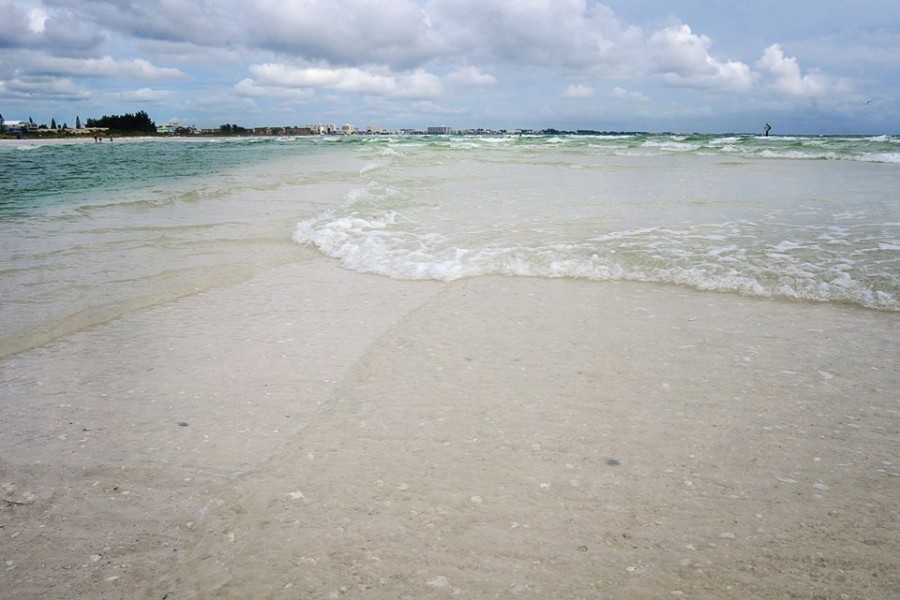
x: 613, y: 462
x: 182, y: 423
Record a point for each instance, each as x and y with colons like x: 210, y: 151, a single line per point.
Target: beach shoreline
x: 314, y: 432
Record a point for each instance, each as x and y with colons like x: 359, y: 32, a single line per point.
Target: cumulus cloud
x: 786, y: 75
x: 403, y: 34
x: 629, y: 96
x: 683, y: 59
x: 107, y: 66
x: 578, y: 91
x: 15, y: 88
x: 45, y: 30
x: 37, y: 19
x: 470, y: 77
x: 201, y: 22
x: 249, y: 88
x: 145, y: 95
x: 538, y: 33
x: 415, y: 84
x: 51, y: 87
x: 348, y: 32
x: 389, y: 52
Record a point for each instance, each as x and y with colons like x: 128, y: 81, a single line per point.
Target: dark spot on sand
x: 182, y: 423
x: 613, y: 462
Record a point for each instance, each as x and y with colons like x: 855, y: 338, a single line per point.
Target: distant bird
x: 868, y: 102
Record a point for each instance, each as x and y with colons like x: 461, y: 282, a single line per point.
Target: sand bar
x: 315, y: 433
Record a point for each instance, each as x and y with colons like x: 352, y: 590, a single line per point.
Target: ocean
x: 91, y: 231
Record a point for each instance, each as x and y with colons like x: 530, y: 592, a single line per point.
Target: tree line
x: 139, y: 121
x: 232, y: 129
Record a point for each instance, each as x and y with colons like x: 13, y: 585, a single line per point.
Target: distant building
x: 17, y: 127
x: 439, y: 130
x: 328, y: 129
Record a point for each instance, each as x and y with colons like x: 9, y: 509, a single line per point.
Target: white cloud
x: 629, y: 96
x: 47, y: 29
x: 537, y: 33
x: 578, y: 91
x: 358, y: 81
x: 107, y: 66
x: 470, y: 77
x: 683, y: 59
x: 285, y: 75
x: 37, y: 19
x: 378, y: 60
x: 420, y: 84
x: 65, y: 88
x: 201, y: 22
x: 347, y: 32
x: 145, y: 95
x: 786, y: 74
x: 250, y: 89
x: 41, y: 86
x: 377, y: 82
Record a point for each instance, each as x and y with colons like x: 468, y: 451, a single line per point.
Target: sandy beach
x: 317, y: 433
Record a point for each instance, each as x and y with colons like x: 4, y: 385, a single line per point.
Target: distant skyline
x: 806, y: 67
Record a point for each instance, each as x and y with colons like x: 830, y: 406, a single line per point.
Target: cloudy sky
x: 806, y: 66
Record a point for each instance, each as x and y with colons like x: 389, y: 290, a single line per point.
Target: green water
x: 90, y: 231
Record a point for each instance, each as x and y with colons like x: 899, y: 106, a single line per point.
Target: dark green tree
x: 232, y: 129
x: 77, y: 122
x: 128, y: 122
x: 53, y: 123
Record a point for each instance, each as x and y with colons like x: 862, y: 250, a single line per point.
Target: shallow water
x: 91, y: 231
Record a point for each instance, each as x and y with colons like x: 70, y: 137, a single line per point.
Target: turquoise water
x: 800, y: 218
x: 38, y: 176
x: 35, y: 175
x: 89, y: 231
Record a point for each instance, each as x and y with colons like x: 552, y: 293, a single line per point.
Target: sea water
x: 90, y: 231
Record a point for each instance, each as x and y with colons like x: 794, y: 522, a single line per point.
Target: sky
x: 708, y: 66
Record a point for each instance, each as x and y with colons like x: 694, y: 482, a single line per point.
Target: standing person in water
x: 767, y: 128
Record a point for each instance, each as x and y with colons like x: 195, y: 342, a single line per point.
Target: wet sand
x: 315, y: 433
